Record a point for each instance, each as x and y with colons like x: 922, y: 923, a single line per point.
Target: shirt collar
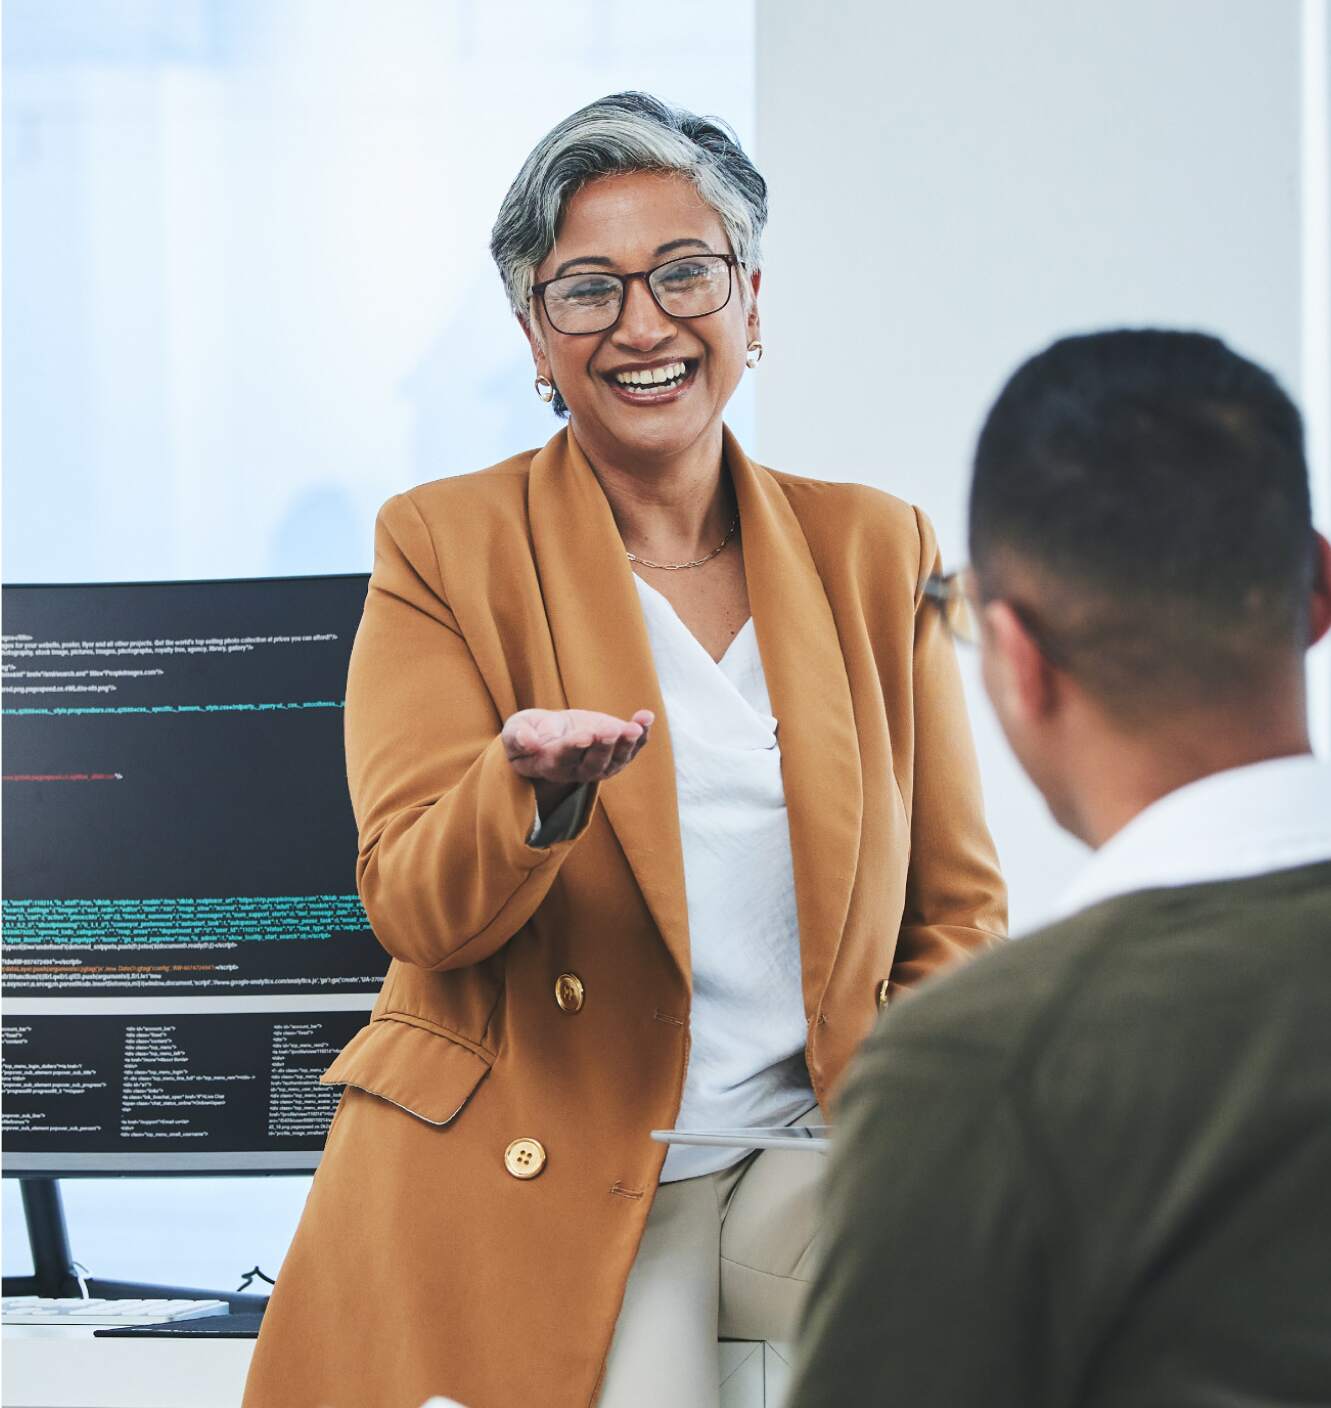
x: 1245, y: 821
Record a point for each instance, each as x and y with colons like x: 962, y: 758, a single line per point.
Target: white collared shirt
x: 1246, y: 821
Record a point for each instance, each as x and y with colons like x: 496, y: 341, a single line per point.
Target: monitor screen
x: 184, y: 950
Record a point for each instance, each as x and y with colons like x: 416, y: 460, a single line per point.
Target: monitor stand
x: 53, y: 1271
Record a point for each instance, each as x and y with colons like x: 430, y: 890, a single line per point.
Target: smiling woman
x: 668, y: 333
x: 665, y: 789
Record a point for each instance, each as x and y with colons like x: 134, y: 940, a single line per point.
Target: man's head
x: 1143, y: 551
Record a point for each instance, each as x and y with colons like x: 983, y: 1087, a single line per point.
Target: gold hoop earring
x: 755, y: 354
x: 545, y: 389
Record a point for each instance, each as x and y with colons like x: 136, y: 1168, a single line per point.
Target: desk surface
x: 55, y: 1367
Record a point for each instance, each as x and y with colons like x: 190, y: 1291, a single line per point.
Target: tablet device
x: 795, y: 1136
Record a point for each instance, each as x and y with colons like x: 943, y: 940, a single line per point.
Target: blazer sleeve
x: 956, y: 902
x: 445, y: 870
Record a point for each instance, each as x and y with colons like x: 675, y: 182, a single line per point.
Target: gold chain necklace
x: 697, y: 562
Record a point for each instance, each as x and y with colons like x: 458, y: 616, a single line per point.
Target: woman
x: 664, y: 788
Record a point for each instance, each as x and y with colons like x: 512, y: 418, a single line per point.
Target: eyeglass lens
x: 690, y: 287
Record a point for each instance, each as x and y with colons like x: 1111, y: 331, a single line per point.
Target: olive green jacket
x: 1094, y: 1169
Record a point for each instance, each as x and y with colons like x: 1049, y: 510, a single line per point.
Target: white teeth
x: 655, y: 376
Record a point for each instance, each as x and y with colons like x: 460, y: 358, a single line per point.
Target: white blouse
x: 747, y: 1025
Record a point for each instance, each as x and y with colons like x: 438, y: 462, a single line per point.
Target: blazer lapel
x: 811, y: 699
x: 605, y: 662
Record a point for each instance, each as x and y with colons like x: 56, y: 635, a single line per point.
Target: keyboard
x: 73, y: 1310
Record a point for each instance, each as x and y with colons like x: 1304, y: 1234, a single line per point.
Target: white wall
x: 955, y: 184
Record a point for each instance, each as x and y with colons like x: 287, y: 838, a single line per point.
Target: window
x: 248, y: 296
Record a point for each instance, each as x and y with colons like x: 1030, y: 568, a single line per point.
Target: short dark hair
x: 1141, y: 498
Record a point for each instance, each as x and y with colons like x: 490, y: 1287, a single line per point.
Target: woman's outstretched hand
x: 560, y: 749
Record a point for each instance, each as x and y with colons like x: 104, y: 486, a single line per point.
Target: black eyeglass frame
x: 729, y: 260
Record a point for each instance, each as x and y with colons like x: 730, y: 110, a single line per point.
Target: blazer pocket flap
x: 419, y: 1070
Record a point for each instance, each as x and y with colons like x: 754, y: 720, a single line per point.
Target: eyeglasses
x: 690, y: 287
x: 957, y: 599
x: 952, y: 596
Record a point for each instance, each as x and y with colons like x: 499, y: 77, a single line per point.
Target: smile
x: 652, y: 384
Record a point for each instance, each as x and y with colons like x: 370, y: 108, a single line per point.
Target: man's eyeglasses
x: 957, y: 598
x: 690, y: 287
x: 953, y: 598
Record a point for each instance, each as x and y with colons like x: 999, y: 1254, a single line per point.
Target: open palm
x: 568, y: 747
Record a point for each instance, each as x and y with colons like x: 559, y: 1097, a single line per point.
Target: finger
x: 516, y: 739
x: 525, y: 740
x: 623, y: 751
x: 597, y: 757
x: 628, y: 748
x: 642, y: 742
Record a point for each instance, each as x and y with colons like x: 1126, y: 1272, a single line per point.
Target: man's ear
x: 1320, y: 611
x: 1021, y: 682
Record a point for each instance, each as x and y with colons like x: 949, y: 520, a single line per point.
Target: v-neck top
x: 747, y: 1024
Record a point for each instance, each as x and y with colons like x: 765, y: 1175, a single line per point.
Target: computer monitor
x: 184, y: 951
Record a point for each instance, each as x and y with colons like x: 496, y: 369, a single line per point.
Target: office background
x: 248, y: 296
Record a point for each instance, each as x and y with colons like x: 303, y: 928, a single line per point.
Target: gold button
x: 524, y: 1158
x: 569, y: 992
x: 883, y: 992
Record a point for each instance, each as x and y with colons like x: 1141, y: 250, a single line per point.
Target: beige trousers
x: 725, y: 1255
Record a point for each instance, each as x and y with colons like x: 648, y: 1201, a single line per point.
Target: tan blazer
x: 489, y: 1171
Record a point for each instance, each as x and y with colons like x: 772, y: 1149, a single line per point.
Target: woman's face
x: 623, y: 224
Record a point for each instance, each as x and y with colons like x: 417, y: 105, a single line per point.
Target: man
x: 1095, y: 1167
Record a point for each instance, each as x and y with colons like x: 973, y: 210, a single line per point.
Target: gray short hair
x: 622, y: 133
